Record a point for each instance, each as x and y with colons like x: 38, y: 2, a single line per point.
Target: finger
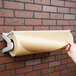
x: 67, y: 48
x: 70, y: 54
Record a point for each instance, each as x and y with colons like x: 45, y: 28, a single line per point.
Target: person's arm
x: 71, y: 49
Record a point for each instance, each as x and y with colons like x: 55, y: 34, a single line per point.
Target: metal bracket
x: 9, y: 43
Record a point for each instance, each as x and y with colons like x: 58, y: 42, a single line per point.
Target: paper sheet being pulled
x: 30, y: 42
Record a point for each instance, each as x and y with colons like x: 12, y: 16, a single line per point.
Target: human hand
x: 71, y: 49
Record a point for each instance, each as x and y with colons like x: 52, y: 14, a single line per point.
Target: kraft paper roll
x: 31, y: 42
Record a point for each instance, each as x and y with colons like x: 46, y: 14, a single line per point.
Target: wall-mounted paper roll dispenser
x: 31, y: 42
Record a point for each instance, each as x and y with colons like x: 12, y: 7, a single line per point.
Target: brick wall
x: 37, y: 15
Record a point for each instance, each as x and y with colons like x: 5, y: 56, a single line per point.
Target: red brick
x: 21, y: 75
x: 13, y: 5
x: 70, y: 4
x: 49, y: 22
x: 33, y: 21
x: 65, y: 61
x: 6, y: 13
x: 75, y: 28
x: 47, y: 2
x: 31, y: 1
x: 48, y: 70
x: 2, y: 67
x: 74, y: 68
x: 71, y: 65
x: 33, y: 7
x: 24, y: 14
x: 1, y: 54
x: 55, y: 74
x: 23, y: 28
x: 41, y: 27
x: 56, y: 16
x: 40, y: 66
x: 2, y: 45
x: 65, y: 71
x: 8, y: 73
x: 73, y: 11
x: 55, y: 63
x: 71, y: 74
x: 35, y: 73
x: 49, y: 9
x: 14, y: 21
x: 15, y: 65
x: 57, y: 68
x: 55, y: 52
x: 6, y: 60
x: 62, y: 22
x: 41, y: 15
x: 72, y: 22
x: 64, y: 51
x: 55, y: 28
x: 33, y: 62
x: 63, y: 56
x: 40, y: 55
x: 68, y: 28
x: 64, y: 75
x: 6, y: 29
x: 57, y: 2
x: 26, y: 57
x: 1, y: 21
x: 63, y: 10
x: 47, y: 59
x: 74, y: 38
x: 74, y: 33
x: 24, y: 69
x: 0, y: 3
x: 45, y: 75
x: 67, y: 16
